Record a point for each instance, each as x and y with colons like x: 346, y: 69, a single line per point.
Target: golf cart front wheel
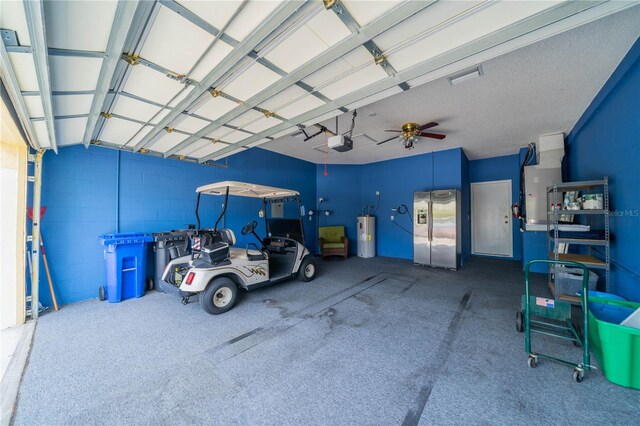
x: 308, y: 269
x: 219, y: 296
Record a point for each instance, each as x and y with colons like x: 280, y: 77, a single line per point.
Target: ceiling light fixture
x: 409, y: 135
x: 328, y: 4
x: 466, y: 75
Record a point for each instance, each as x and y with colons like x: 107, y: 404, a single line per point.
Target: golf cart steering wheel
x: 249, y: 227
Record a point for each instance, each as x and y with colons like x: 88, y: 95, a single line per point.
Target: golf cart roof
x: 244, y: 189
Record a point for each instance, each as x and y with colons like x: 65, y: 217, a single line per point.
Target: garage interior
x: 412, y: 158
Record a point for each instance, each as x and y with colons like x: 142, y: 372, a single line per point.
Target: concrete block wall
x: 349, y: 188
x: 89, y: 192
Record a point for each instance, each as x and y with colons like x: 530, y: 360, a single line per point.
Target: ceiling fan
x: 411, y: 132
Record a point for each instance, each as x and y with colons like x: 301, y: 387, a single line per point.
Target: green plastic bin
x: 616, y: 347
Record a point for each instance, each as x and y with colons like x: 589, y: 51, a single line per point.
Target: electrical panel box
x: 277, y: 210
x: 536, y: 181
x: 340, y: 143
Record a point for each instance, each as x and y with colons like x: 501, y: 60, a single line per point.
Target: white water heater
x: 366, y: 236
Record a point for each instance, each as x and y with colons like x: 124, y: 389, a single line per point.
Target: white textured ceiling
x: 202, y: 80
x: 538, y: 89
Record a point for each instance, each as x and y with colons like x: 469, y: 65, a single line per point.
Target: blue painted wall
x: 465, y: 208
x: 80, y: 192
x: 501, y: 168
x: 606, y: 142
x: 342, y: 190
x: 349, y: 189
x: 535, y: 245
x: 397, y: 180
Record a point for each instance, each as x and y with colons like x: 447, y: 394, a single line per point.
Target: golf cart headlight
x: 190, y: 278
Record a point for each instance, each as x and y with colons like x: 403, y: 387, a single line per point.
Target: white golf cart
x: 215, y: 268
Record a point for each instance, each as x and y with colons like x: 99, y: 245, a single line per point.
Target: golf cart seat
x: 210, y: 238
x: 227, y: 236
x: 247, y: 254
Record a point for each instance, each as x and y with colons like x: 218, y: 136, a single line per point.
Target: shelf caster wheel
x: 532, y: 362
x: 578, y: 376
x: 519, y: 322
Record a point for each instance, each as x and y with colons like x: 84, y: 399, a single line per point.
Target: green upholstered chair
x: 333, y: 241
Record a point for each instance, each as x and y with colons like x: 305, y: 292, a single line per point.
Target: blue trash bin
x: 125, y: 261
x: 609, y: 313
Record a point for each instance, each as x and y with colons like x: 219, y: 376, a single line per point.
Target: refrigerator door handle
x: 430, y: 221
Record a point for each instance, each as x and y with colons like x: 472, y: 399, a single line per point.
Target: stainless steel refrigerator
x: 436, y: 228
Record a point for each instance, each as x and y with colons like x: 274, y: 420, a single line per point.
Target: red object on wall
x: 30, y: 212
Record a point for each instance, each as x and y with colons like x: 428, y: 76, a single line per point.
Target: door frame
x: 473, y: 243
x: 13, y: 154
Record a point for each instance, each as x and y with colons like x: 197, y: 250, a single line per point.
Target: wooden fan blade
x: 385, y: 141
x: 432, y: 135
x: 397, y: 131
x: 428, y: 126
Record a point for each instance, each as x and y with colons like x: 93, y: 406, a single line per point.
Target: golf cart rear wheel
x: 308, y: 269
x: 219, y: 296
x: 149, y: 283
x: 101, y: 294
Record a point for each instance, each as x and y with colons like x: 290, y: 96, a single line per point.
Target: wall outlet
x: 377, y: 193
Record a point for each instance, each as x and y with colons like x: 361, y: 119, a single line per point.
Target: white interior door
x: 491, y: 231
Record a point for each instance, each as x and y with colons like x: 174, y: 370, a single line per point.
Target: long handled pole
x: 46, y: 268
x: 35, y: 233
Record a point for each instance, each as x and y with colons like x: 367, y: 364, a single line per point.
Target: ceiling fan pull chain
x: 326, y: 141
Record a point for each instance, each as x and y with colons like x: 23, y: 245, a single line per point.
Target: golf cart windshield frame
x: 268, y: 194
x: 274, y: 200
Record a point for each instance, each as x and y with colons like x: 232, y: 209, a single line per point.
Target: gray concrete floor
x: 370, y: 341
x: 15, y: 344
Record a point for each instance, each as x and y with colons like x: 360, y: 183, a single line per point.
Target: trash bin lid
x: 129, y: 238
x: 176, y: 235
